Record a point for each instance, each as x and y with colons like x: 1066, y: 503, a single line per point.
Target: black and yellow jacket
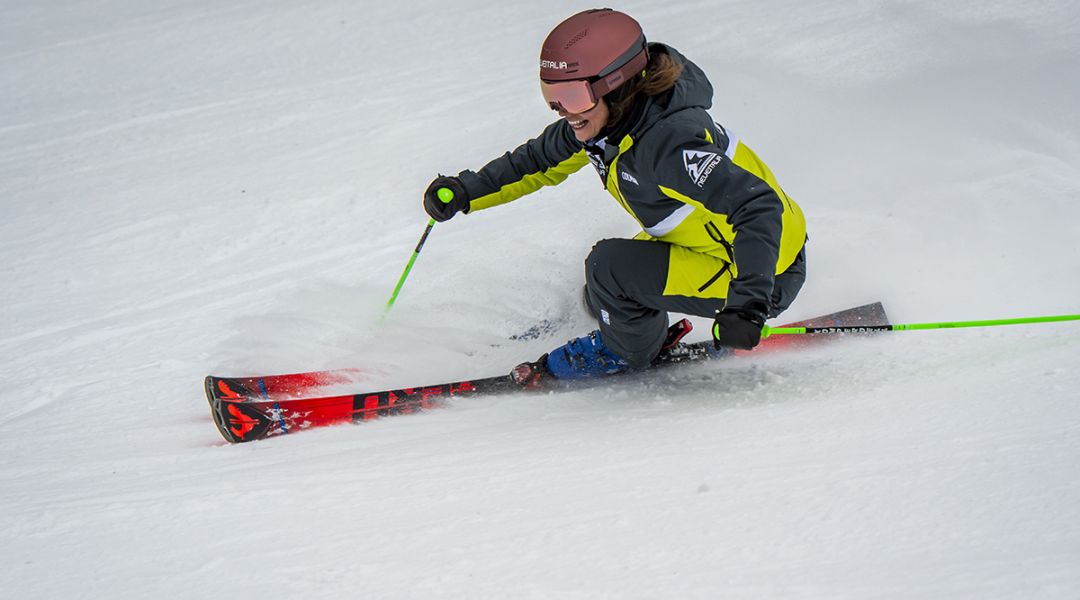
x: 684, y: 178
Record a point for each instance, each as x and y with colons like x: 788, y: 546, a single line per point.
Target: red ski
x: 251, y: 408
x: 241, y: 419
x: 285, y: 387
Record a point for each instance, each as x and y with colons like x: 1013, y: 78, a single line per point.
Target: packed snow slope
x: 234, y: 187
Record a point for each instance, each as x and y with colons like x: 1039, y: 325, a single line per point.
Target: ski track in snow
x: 194, y: 187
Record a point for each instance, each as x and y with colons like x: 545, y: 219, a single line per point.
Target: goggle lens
x: 574, y: 97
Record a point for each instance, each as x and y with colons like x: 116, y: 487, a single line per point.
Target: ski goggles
x: 577, y: 96
x: 574, y: 97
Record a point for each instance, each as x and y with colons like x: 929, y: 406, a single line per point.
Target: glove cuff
x: 755, y: 312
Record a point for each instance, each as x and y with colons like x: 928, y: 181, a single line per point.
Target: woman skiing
x: 719, y: 238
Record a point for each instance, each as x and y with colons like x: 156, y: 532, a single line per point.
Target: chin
x: 584, y: 135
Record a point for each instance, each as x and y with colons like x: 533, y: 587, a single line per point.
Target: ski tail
x: 866, y: 315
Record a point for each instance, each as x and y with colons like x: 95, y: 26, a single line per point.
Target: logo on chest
x: 699, y: 165
x: 597, y: 161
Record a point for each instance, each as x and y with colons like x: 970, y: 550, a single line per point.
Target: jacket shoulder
x: 689, y: 129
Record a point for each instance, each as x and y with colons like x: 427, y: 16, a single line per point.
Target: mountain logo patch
x: 699, y: 165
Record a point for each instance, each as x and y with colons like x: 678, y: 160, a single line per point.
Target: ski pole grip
x: 446, y: 195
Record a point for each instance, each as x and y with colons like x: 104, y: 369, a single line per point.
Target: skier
x: 720, y: 237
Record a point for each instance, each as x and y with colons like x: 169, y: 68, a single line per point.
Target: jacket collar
x: 692, y: 90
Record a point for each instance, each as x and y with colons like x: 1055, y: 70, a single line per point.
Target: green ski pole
x: 446, y: 195
x: 767, y: 331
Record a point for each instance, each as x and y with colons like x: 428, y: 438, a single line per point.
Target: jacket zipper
x: 714, y: 233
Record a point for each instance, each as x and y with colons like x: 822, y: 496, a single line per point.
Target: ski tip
x: 219, y: 411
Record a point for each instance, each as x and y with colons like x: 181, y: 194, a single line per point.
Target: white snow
x: 233, y: 187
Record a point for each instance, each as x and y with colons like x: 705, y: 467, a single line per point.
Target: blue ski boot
x: 587, y: 356
x: 579, y: 358
x: 583, y: 357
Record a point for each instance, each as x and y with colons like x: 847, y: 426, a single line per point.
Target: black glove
x: 442, y: 211
x: 738, y: 328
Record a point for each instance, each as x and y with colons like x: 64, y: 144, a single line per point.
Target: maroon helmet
x: 588, y: 56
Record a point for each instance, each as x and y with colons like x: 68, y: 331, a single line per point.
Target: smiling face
x: 587, y: 125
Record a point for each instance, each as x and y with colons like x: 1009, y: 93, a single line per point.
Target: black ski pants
x: 625, y: 284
